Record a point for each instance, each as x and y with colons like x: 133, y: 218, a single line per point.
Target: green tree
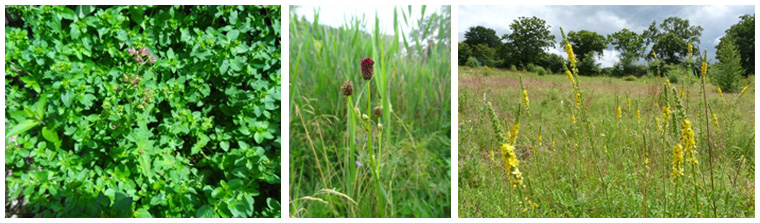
x: 465, y: 52
x: 485, y: 54
x: 586, y: 42
x: 728, y: 72
x: 528, y: 39
x: 670, y: 41
x: 629, y: 43
x: 481, y: 35
x: 743, y: 35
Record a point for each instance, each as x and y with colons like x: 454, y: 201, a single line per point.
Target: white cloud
x: 337, y: 16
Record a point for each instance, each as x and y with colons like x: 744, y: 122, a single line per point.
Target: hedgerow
x: 142, y: 111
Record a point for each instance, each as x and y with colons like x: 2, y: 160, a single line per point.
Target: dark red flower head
x: 368, y: 68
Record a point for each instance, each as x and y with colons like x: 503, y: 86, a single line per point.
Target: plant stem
x: 709, y: 149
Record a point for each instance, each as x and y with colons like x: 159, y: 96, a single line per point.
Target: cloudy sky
x: 714, y: 19
x: 336, y: 16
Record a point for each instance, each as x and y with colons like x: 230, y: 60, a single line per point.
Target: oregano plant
x: 142, y: 111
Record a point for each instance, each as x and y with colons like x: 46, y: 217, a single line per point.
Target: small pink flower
x: 139, y: 59
x: 116, y: 89
x: 359, y: 164
x: 144, y: 51
x: 152, y: 59
x: 132, y: 51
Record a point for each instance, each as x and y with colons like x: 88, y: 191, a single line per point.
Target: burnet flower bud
x: 377, y: 111
x: 368, y: 68
x: 348, y: 88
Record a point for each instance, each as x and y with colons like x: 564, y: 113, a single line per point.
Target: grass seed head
x: 368, y: 68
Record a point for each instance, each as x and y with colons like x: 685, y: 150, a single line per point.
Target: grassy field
x: 618, y: 164
x: 345, y: 165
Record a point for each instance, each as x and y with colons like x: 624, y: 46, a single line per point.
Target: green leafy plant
x: 142, y: 111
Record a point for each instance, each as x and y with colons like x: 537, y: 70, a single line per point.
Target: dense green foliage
x: 671, y: 39
x: 728, y: 72
x: 742, y: 35
x: 140, y: 111
x: 331, y: 154
x: 528, y: 40
x: 587, y: 43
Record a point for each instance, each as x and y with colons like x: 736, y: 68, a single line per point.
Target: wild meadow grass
x: 382, y: 147
x: 605, y: 147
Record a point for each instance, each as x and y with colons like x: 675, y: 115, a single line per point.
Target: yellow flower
x: 744, y: 91
x: 539, y: 139
x: 605, y: 148
x: 646, y: 162
x: 578, y: 100
x: 628, y: 102
x: 573, y: 118
x: 490, y: 152
x: 691, y: 48
x: 666, y: 113
x: 511, y: 163
x: 715, y: 120
x: 525, y: 98
x: 515, y: 130
x: 638, y: 115
x: 677, y: 170
x: 655, y: 54
x: 619, y: 113
x: 704, y: 69
x: 680, y: 94
x: 570, y: 54
x: 720, y: 92
x: 570, y: 76
x: 689, y: 142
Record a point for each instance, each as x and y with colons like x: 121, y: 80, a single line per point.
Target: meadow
x: 612, y: 158
x: 370, y: 117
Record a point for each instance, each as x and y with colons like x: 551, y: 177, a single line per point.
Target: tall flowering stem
x: 707, y: 127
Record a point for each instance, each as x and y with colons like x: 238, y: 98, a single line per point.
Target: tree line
x: 526, y: 46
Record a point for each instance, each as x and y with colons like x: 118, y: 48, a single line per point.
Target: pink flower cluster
x: 142, y: 55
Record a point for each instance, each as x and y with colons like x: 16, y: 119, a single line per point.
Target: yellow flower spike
x: 666, y: 113
x: 655, y: 55
x: 539, y: 140
x: 628, y: 103
x: 689, y: 142
x: 677, y: 170
x: 704, y: 69
x: 638, y: 115
x: 578, y: 100
x: 680, y: 94
x: 490, y: 152
x: 605, y: 149
x: 691, y: 48
x: 573, y: 118
x: 720, y: 92
x: 525, y: 99
x: 570, y: 76
x: 744, y: 91
x: 715, y: 120
x: 619, y: 113
x: 515, y: 130
x: 570, y: 54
